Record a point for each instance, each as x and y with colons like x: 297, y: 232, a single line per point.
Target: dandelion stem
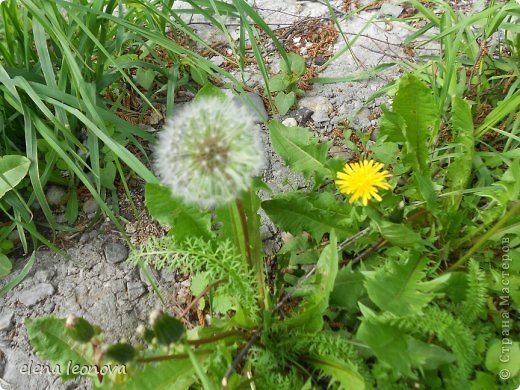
x: 245, y: 230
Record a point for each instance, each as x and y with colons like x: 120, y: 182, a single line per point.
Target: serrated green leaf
x: 459, y: 170
x: 316, y: 213
x: 300, y: 150
x: 400, y: 235
x: 185, y: 221
x: 392, y: 125
x: 428, y: 356
x: 348, y: 288
x: 398, y: 288
x: 13, y: 169
x: 498, y: 359
x: 49, y: 339
x: 339, y: 371
x: 414, y: 103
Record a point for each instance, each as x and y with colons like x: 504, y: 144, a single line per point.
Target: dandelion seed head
x: 362, y: 180
x: 208, y: 152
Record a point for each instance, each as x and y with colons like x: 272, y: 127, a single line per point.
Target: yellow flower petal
x: 361, y: 180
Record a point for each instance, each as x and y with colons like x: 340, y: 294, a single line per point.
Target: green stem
x: 245, y: 231
x: 258, y: 265
x: 482, y: 240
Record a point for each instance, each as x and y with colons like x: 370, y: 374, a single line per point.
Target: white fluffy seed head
x: 208, y: 153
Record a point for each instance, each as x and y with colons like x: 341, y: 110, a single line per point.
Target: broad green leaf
x: 5, y: 265
x: 185, y: 221
x: 316, y: 213
x: 108, y: 175
x: 398, y: 288
x: 388, y: 343
x: 49, y: 339
x: 428, y: 356
x: 497, y: 359
x: 145, y: 77
x: 300, y: 149
x: 339, y: 371
x: 392, y: 125
x: 278, y: 83
x: 284, y: 102
x: 414, y: 103
x: 459, y: 170
x: 425, y: 186
x: 297, y: 64
x: 13, y: 169
x: 210, y: 91
x: 167, y: 375
x: 348, y: 288
x: 400, y: 235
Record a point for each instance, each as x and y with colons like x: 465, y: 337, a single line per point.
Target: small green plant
x: 285, y: 83
x: 399, y: 286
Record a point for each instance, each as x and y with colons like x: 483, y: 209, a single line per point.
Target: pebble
x: 254, y: 104
x: 319, y: 61
x: 6, y: 319
x: 320, y: 116
x: 290, y: 122
x: 391, y: 10
x: 55, y: 195
x: 115, y: 252
x: 36, y: 294
x: 44, y: 275
x: 61, y: 218
x: 302, y: 115
x: 134, y: 290
x: 316, y: 103
x: 218, y: 60
x: 90, y: 206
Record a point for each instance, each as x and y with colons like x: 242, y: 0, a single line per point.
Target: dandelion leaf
x: 185, y: 221
x: 300, y: 150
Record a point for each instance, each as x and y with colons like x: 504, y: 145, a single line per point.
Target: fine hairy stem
x: 482, y: 240
x: 245, y: 231
x: 257, y: 267
x: 198, y: 297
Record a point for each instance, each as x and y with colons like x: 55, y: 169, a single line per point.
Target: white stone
x: 316, y: 103
x: 290, y: 122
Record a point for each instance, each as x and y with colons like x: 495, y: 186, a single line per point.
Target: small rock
x: 61, y: 218
x: 319, y: 61
x: 44, y: 275
x: 90, y: 206
x: 320, y: 117
x: 341, y: 152
x: 36, y: 294
x: 265, y: 233
x: 254, y: 104
x: 115, y: 252
x: 391, y: 10
x: 55, y: 195
x: 302, y: 115
x: 6, y: 319
x: 134, y: 290
x: 290, y: 122
x: 218, y: 60
x: 316, y: 103
x: 374, y: 134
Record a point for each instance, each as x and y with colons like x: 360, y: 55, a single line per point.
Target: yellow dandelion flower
x: 361, y: 180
